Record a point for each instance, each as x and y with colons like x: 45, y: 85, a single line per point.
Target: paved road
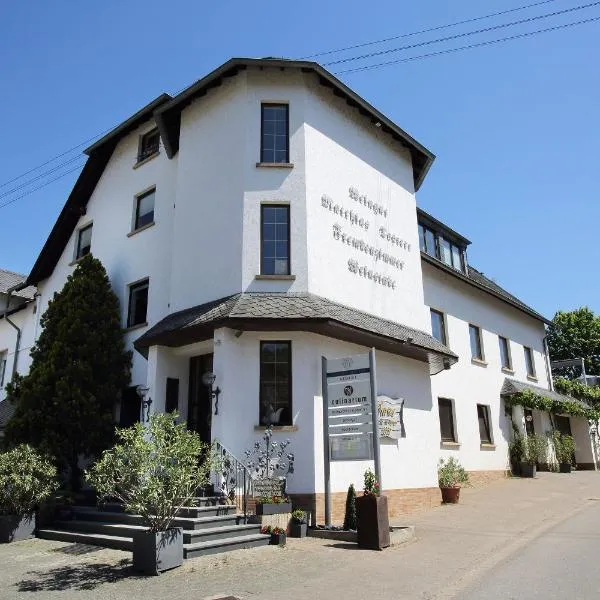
x: 512, y: 539
x: 562, y: 563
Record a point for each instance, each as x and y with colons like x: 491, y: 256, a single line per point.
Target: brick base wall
x: 400, y: 501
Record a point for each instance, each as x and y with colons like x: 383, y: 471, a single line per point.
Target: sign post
x: 350, y: 415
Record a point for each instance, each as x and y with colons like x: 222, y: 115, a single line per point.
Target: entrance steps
x: 210, y: 528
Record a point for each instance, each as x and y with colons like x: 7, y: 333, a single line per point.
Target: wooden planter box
x: 14, y: 528
x: 157, y: 552
x: 273, y: 509
x: 373, y: 530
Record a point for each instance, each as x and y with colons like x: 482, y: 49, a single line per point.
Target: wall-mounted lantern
x: 208, y: 379
x: 141, y: 391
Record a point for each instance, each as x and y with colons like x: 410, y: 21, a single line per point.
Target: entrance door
x: 199, y: 401
x: 563, y: 424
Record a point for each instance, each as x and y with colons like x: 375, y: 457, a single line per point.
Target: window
x: 172, y: 395
x: 149, y: 144
x: 138, y: 303
x: 439, y: 247
x: 275, y: 239
x: 276, y: 383
x: 84, y: 242
x: 2, y: 368
x: 476, y: 345
x: 483, y: 416
x: 505, y: 359
x: 529, y: 364
x: 446, y: 420
x: 445, y: 251
x: 438, y: 326
x: 275, y: 143
x: 427, y: 240
x: 144, y: 209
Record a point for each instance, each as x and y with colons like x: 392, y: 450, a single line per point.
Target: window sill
x: 508, y: 371
x: 479, y: 362
x: 450, y: 445
x: 282, y: 428
x: 141, y: 229
x: 134, y: 327
x: 487, y: 446
x: 267, y: 165
x: 77, y: 260
x: 532, y: 378
x: 145, y: 160
x: 276, y: 277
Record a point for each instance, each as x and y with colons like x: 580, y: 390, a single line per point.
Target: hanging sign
x: 389, y: 414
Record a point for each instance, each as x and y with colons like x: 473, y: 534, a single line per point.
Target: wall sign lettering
x: 393, y: 239
x: 362, y: 199
x: 376, y: 253
x: 349, y: 215
x: 364, y: 271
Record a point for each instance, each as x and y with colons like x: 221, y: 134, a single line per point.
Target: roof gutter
x: 10, y: 291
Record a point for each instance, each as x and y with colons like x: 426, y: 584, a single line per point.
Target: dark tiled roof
x: 295, y: 308
x: 6, y: 412
x: 512, y: 386
x: 9, y: 279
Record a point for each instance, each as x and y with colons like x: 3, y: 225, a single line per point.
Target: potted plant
x: 535, y: 450
x: 278, y: 535
x: 299, y: 525
x: 451, y: 475
x: 350, y: 514
x: 273, y: 505
x: 564, y: 449
x: 154, y: 470
x: 373, y: 525
x: 26, y: 479
x: 515, y: 453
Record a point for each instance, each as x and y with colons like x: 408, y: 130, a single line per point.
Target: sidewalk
x: 455, y: 545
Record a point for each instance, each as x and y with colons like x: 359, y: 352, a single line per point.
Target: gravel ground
x: 454, y: 547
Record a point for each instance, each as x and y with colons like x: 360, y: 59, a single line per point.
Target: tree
x: 576, y: 334
x: 65, y: 405
x: 350, y: 516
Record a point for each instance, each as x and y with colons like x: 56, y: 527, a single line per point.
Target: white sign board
x: 351, y: 447
x: 389, y: 414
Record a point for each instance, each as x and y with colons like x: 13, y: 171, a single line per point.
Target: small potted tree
x: 451, y: 476
x: 373, y: 524
x: 564, y: 448
x: 350, y: 514
x: 535, y: 450
x: 299, y: 525
x: 154, y: 471
x: 26, y: 479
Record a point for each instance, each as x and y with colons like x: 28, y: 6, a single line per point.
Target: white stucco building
x: 266, y: 217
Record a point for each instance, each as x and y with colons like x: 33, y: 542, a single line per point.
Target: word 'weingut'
x: 362, y: 199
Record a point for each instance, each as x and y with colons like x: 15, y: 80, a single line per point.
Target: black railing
x: 231, y: 478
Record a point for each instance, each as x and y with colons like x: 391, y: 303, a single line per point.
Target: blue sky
x: 514, y: 126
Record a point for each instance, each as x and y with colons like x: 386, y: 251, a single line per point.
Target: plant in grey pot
x: 26, y: 479
x: 564, y: 449
x: 154, y: 470
x: 451, y: 476
x: 299, y: 525
x: 535, y: 450
x: 373, y: 524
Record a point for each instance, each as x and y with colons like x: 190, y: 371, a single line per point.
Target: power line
x: 428, y: 30
x: 464, y: 34
x: 461, y: 48
x: 41, y: 186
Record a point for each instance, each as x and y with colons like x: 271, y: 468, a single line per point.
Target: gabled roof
x: 10, y: 279
x: 300, y: 312
x: 75, y: 206
x: 168, y: 116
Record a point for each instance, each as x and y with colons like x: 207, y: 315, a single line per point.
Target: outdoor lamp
x: 141, y: 391
x: 208, y: 379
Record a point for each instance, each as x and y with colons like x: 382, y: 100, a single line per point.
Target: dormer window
x: 440, y: 247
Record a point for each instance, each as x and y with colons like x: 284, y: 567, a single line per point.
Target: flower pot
x: 373, y: 531
x: 154, y: 552
x: 527, y: 470
x: 564, y: 467
x: 278, y: 539
x: 273, y: 509
x: 14, y: 528
x: 450, y: 495
x: 298, y: 530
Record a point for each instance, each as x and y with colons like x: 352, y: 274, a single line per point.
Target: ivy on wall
x: 590, y: 394
x: 529, y: 399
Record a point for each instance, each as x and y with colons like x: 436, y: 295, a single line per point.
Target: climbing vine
x: 530, y: 399
x: 578, y: 390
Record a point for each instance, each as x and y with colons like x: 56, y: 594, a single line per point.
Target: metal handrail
x: 232, y: 478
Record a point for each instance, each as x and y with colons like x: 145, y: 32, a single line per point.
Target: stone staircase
x: 208, y: 528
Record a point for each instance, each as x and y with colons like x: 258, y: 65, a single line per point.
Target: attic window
x: 149, y: 144
x: 440, y: 247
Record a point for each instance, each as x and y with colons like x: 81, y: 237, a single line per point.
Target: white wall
x: 469, y: 384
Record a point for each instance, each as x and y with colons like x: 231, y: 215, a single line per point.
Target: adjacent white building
x: 266, y: 217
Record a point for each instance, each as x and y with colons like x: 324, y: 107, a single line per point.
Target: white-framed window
x: 505, y: 357
x: 447, y: 424
x: 476, y: 342
x: 485, y: 426
x: 438, y: 326
x: 84, y: 241
x: 137, y: 313
x: 529, y: 361
x: 144, y: 209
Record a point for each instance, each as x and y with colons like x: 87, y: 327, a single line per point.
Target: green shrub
x: 451, y: 473
x: 350, y: 521
x: 154, y: 471
x: 371, y: 485
x: 26, y: 479
x: 299, y: 516
x: 535, y: 449
x: 564, y: 447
